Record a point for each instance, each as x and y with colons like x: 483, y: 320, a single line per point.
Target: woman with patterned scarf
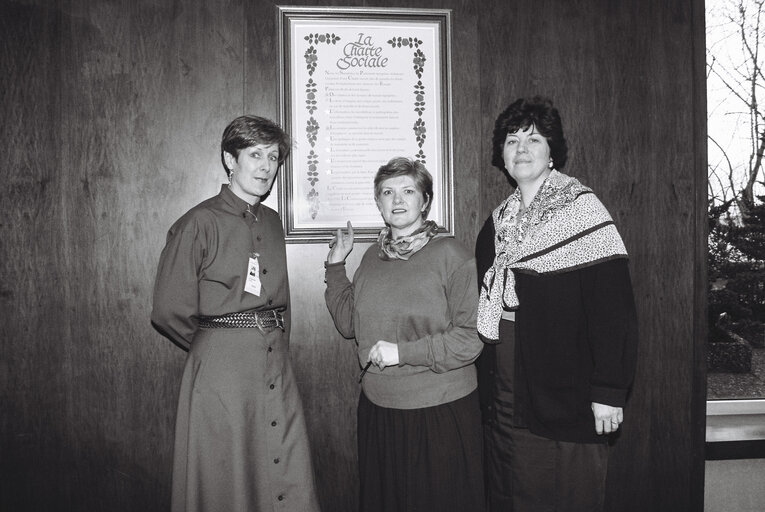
x: 412, y: 309
x: 557, y: 313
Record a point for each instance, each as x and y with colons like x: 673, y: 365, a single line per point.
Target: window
x: 735, y: 31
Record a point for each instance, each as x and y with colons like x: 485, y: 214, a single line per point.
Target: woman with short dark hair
x: 411, y: 308
x: 222, y: 294
x: 558, y: 317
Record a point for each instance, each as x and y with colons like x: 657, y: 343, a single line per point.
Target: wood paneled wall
x: 112, y: 113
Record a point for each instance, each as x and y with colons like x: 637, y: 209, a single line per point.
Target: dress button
x: 281, y: 497
x: 271, y: 386
x: 273, y: 423
x: 265, y: 271
x: 276, y: 461
x: 258, y: 238
x: 270, y: 349
x: 270, y: 301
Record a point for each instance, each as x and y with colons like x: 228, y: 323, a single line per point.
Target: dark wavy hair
x: 401, y: 166
x: 520, y: 115
x: 246, y: 131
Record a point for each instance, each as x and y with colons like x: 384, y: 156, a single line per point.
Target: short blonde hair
x: 402, y: 166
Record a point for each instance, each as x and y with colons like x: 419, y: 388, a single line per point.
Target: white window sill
x: 735, y: 420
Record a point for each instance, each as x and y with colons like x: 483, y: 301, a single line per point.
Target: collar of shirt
x: 239, y: 205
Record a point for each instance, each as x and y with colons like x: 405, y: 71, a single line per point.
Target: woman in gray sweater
x: 412, y: 309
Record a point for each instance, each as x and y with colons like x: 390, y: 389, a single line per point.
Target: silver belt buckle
x: 277, y: 318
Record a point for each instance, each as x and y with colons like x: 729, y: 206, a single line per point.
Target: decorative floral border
x: 312, y: 126
x: 418, y: 61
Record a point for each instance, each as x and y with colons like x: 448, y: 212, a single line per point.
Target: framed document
x: 358, y: 87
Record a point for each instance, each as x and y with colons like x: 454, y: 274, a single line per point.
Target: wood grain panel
x: 466, y: 120
x: 698, y: 396
x: 33, y: 422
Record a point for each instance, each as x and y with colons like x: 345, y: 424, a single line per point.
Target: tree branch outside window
x: 736, y: 193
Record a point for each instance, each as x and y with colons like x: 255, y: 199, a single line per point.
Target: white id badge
x: 252, y: 284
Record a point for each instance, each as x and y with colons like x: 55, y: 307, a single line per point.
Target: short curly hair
x: 247, y: 131
x: 520, y: 115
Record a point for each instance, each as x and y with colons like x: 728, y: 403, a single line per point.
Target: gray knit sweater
x: 427, y: 305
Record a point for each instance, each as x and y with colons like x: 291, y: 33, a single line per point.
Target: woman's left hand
x: 607, y: 418
x: 384, y: 353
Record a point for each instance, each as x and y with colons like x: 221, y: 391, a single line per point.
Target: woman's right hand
x: 341, y: 245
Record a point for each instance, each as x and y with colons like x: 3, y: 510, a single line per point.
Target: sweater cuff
x: 614, y: 397
x: 414, y: 353
x: 334, y: 271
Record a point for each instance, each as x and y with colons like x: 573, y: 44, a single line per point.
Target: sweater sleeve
x: 612, y: 330
x: 459, y: 345
x: 176, y: 288
x: 339, y: 298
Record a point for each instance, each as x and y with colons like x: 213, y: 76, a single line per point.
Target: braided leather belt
x: 264, y: 320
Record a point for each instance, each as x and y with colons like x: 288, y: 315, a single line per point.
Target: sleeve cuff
x: 414, y: 353
x: 334, y: 271
x: 609, y: 396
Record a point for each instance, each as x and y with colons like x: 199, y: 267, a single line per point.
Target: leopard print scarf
x: 564, y: 228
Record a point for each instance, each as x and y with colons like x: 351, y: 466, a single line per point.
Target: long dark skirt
x: 416, y: 460
x: 529, y: 473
